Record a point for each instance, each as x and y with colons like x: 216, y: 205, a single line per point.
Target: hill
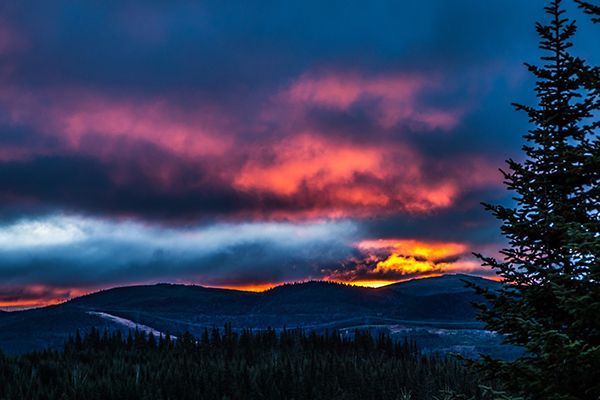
x: 451, y: 283
x: 422, y: 306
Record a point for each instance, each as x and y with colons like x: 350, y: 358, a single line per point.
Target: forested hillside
x: 441, y: 302
x: 223, y: 364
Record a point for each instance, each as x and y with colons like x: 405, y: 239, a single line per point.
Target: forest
x: 225, y: 364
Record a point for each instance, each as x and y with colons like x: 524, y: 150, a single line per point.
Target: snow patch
x: 129, y: 324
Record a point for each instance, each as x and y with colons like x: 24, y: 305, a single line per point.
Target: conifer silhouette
x: 549, y: 305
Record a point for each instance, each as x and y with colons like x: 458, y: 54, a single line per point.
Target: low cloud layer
x: 54, y: 258
x: 56, y: 249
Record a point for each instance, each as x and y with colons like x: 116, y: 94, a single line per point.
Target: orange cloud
x: 32, y: 296
x: 404, y: 265
x: 309, y: 160
x: 26, y: 304
x: 415, y: 248
x: 393, y: 260
x: 342, y: 178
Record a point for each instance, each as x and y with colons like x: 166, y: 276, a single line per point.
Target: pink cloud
x: 310, y: 171
x: 12, y: 153
x: 11, y: 42
x: 10, y: 39
x: 74, y: 114
x: 14, y: 298
x: 397, y: 97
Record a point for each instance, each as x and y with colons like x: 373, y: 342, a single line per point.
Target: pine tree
x: 590, y: 9
x: 592, y: 75
x: 551, y: 269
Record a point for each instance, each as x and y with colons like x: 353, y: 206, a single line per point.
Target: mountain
x: 441, y: 303
x: 439, y: 298
x: 444, y: 284
x: 166, y: 298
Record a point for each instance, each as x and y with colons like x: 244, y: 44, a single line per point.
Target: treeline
x: 224, y: 364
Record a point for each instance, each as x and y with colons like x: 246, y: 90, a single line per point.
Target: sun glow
x: 408, y: 265
x: 386, y: 261
x: 415, y: 248
x: 27, y: 304
x: 250, y: 287
x: 381, y: 283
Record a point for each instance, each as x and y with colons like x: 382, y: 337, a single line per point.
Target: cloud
x: 345, y: 179
x: 11, y: 41
x: 121, y: 188
x: 74, y: 252
x: 28, y: 234
x: 23, y: 297
x: 72, y: 114
x: 396, y: 97
x: 150, y: 158
x: 380, y: 262
x: 47, y: 259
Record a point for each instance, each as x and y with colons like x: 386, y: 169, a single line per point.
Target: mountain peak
x: 448, y: 283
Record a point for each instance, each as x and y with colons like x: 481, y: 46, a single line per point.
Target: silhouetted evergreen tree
x: 591, y: 9
x: 551, y: 268
x: 592, y: 75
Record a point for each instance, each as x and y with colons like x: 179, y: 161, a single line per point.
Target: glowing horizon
x: 258, y: 288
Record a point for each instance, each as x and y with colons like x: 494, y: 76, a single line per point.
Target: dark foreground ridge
x: 225, y: 364
x: 436, y: 311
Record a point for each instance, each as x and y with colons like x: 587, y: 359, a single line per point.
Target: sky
x: 246, y: 144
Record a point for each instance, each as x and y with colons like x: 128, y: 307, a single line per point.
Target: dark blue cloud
x: 216, y: 47
x: 67, y: 252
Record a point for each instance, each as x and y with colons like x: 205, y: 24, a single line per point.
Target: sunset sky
x: 243, y: 145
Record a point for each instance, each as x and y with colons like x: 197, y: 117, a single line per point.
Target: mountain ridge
x: 444, y: 277
x: 310, y: 305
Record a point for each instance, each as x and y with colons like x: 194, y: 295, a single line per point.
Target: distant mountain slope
x: 165, y: 298
x: 321, y: 298
x: 313, y: 305
x: 445, y: 284
x: 22, y: 331
x: 439, y: 298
